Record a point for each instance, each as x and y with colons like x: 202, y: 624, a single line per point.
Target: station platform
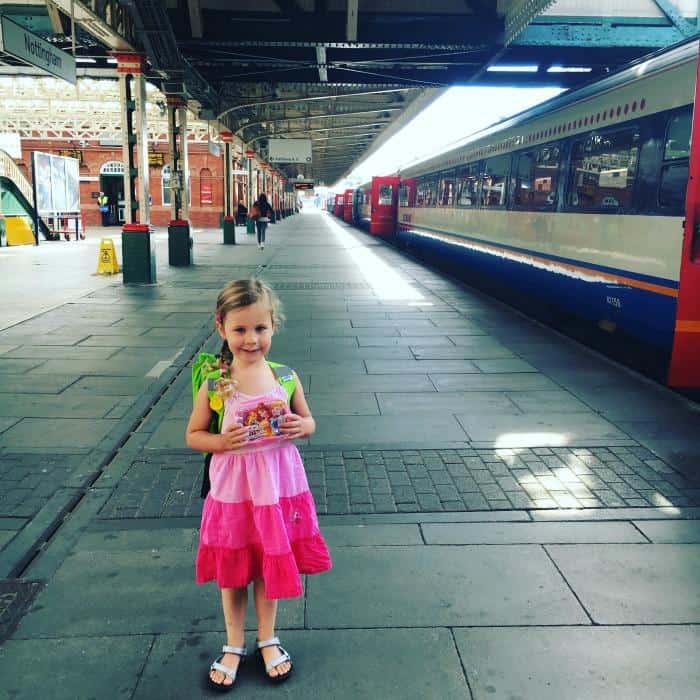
x: 510, y: 514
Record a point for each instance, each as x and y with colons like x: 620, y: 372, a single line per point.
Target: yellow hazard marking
x: 18, y: 231
x: 107, y: 258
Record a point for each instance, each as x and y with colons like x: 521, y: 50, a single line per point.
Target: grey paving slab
x: 363, y: 353
x: 333, y: 404
x: 342, y: 384
x: 184, y: 539
x: 131, y: 341
x: 679, y: 531
x: 376, y: 430
x: 501, y: 366
x: 7, y: 422
x: 329, y: 366
x: 56, y: 432
x: 461, y: 352
x: 167, y: 434
x: 5, y: 537
x: 130, y: 366
x: 109, y: 386
x: 559, y: 401
x: 14, y: 366
x: 145, y: 588
x: 76, y: 352
x: 530, y: 533
x: 585, y: 663
x: 491, y: 382
x: 81, y: 667
x: 643, y: 584
x: 371, y: 535
x: 48, y: 384
x: 342, y: 664
x: 420, y: 366
x: 62, y: 406
x: 434, y: 586
x: 542, y: 429
x: 375, y: 340
x: 453, y: 402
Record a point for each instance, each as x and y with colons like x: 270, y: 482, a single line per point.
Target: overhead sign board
x: 289, y: 151
x: 304, y: 185
x: 30, y: 48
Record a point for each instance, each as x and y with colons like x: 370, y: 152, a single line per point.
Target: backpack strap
x: 285, y: 376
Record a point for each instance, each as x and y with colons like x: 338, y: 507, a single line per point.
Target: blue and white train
x: 580, y: 203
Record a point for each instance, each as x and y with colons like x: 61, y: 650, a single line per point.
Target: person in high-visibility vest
x: 103, y: 204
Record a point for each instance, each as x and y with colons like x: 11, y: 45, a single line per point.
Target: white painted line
x: 160, y: 367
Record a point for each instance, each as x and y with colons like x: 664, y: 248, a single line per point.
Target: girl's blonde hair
x: 240, y: 293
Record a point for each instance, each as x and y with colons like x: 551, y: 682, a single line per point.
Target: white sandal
x: 284, y: 656
x: 226, y: 670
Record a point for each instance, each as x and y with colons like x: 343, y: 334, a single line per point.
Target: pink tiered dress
x: 259, y: 518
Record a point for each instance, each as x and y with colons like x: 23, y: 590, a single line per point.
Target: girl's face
x: 249, y: 331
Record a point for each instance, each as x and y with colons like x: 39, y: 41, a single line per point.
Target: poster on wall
x: 57, y: 181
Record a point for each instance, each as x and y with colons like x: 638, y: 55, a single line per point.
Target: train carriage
x: 578, y: 202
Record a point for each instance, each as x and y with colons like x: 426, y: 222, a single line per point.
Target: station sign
x: 289, y: 150
x: 303, y: 185
x: 30, y: 48
x: 155, y: 159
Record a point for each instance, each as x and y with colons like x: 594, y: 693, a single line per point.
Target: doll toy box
x: 263, y: 419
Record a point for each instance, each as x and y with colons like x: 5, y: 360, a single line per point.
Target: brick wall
x: 94, y: 157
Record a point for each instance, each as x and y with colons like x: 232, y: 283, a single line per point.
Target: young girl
x: 259, y: 520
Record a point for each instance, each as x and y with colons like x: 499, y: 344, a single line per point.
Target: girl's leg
x: 259, y: 229
x: 235, y: 603
x: 263, y: 227
x: 266, y: 611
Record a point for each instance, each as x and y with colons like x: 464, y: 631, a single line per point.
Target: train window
x: 385, y: 194
x: 404, y: 191
x: 494, y: 181
x: 536, y: 179
x: 674, y: 171
x: 674, y: 180
x: 446, y: 192
x: 425, y: 194
x: 468, y: 185
x: 603, y: 170
x: 678, y: 136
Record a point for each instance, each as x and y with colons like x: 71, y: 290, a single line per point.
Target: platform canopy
x: 349, y: 73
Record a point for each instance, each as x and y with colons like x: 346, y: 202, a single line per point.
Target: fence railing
x: 9, y: 169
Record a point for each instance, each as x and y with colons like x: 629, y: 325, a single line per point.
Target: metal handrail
x: 9, y: 169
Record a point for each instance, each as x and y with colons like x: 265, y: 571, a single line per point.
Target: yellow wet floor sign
x: 107, y: 261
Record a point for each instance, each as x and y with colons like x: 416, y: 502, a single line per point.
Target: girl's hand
x: 293, y: 426
x: 233, y: 437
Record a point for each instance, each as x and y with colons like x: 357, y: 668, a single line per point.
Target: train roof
x: 652, y: 63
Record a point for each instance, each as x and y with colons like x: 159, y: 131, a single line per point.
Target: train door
x: 338, y: 206
x: 347, y: 206
x: 384, y: 199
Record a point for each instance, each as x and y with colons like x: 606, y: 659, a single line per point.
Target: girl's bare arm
x: 197, y: 435
x: 300, y: 423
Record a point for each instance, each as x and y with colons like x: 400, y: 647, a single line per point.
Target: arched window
x: 206, y: 186
x: 112, y: 167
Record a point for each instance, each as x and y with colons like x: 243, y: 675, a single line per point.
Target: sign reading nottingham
x: 32, y: 49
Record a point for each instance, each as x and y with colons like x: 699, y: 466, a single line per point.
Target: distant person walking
x: 261, y: 213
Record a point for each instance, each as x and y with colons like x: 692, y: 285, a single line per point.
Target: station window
x: 494, y: 181
x: 426, y: 193
x: 536, y: 179
x: 446, y: 191
x: 468, y: 185
x: 603, y: 170
x: 674, y: 171
x: 385, y: 194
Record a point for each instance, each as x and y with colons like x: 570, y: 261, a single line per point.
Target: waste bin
x: 229, y: 230
x: 179, y: 243
x: 250, y: 226
x: 138, y: 255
